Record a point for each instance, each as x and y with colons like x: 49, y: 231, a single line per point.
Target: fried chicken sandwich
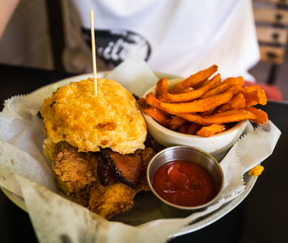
x: 96, y: 145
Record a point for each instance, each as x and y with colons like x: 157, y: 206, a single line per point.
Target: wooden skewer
x: 93, y: 50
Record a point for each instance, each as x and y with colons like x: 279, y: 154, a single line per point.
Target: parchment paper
x: 25, y: 172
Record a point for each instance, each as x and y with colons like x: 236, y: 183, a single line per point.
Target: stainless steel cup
x: 191, y: 154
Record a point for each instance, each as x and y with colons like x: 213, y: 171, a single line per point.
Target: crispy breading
x: 76, y: 173
x: 111, y: 119
x: 115, y: 198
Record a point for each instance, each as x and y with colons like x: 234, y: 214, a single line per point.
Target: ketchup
x: 183, y: 183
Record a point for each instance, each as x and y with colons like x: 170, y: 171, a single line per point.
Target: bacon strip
x: 127, y: 167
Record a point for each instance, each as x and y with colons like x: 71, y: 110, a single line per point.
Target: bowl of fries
x: 202, y: 111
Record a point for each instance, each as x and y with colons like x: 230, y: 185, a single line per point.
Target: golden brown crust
x: 76, y: 175
x: 111, y: 119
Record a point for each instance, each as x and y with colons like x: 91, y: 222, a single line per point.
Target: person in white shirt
x: 179, y: 37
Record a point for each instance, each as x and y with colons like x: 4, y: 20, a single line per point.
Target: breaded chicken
x: 76, y: 174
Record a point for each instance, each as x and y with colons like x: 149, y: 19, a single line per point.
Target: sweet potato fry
x: 260, y: 116
x: 181, y: 89
x: 161, y: 87
x: 251, y: 88
x: 196, y: 105
x: 220, y: 118
x: 236, y: 89
x: 142, y: 103
x: 209, y: 112
x: 254, y: 95
x: 176, y: 122
x: 191, y: 95
x: 195, y: 79
x: 185, y: 90
x: 225, y: 85
x: 207, y: 131
x: 183, y: 128
x: 153, y: 101
x: 156, y: 114
x: 193, y: 128
x: 236, y: 103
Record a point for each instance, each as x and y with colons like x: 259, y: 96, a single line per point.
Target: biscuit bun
x: 111, y: 119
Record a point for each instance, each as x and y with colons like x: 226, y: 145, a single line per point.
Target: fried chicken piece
x: 114, y: 198
x: 76, y: 173
x: 81, y: 168
x: 118, y: 197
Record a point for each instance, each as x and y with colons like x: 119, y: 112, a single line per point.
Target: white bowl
x: 217, y: 145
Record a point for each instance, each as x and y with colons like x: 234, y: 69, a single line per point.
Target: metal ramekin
x: 186, y: 153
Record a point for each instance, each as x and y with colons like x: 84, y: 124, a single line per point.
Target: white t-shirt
x: 176, y: 37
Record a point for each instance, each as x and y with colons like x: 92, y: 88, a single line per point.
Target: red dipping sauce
x: 183, y: 183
